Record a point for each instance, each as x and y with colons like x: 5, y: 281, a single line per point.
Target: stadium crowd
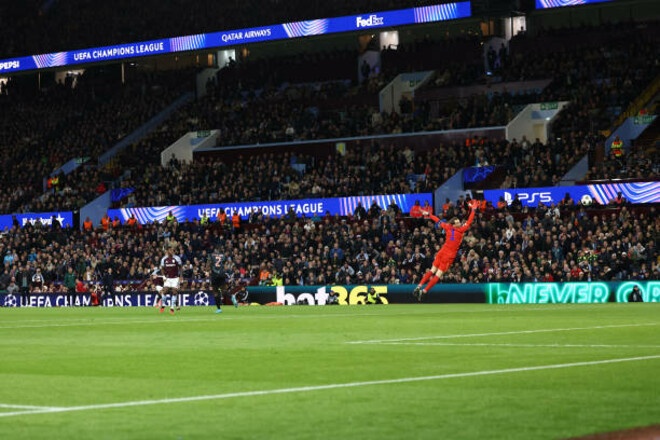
x: 635, y: 165
x: 78, y: 118
x: 374, y: 168
x: 554, y: 243
x: 255, y: 101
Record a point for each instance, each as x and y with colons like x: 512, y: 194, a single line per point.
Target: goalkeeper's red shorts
x: 443, y: 260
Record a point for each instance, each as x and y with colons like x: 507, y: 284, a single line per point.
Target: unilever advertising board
x: 308, y: 208
x: 640, y: 192
x: 427, y: 14
x: 45, y: 218
x: 547, y: 4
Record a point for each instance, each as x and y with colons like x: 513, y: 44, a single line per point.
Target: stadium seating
x: 259, y: 101
x: 44, y: 129
x: 542, y: 244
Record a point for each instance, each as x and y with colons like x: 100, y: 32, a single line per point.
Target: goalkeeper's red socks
x: 431, y: 283
x: 427, y: 276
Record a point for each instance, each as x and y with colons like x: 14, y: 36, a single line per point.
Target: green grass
x: 79, y: 357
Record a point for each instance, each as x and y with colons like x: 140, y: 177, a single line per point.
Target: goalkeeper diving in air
x: 445, y: 257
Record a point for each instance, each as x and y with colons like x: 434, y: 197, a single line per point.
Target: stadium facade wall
x: 95, y: 209
x: 630, y: 130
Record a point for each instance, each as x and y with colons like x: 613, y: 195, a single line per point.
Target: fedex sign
x: 370, y: 21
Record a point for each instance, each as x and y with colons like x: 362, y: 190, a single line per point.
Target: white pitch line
x: 458, y: 344
x: 87, y: 322
x: 325, y: 387
x: 517, y: 332
x: 11, y: 405
x: 94, y: 323
x: 167, y: 319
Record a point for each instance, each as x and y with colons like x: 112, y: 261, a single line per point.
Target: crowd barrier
x: 490, y: 293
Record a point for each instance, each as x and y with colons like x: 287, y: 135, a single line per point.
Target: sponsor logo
x: 563, y: 293
x: 11, y: 301
x: 9, y: 65
x: 357, y: 295
x: 228, y: 37
x: 531, y: 198
x: 46, y: 221
x: 319, y: 298
x: 370, y: 21
x: 201, y: 299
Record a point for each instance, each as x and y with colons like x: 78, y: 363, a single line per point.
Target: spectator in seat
x: 360, y: 213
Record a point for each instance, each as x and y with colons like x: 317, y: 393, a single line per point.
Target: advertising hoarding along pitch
x: 427, y: 14
x: 308, y: 208
x: 639, y: 192
x: 492, y: 293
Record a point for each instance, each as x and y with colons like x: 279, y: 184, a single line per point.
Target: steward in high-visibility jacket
x: 372, y: 296
x: 617, y: 147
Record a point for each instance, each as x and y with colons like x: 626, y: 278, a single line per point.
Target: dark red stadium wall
x: 320, y: 149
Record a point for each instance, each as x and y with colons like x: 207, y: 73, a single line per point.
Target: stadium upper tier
x: 41, y: 130
x: 543, y: 245
x: 273, y: 100
x: 376, y: 168
x: 37, y: 27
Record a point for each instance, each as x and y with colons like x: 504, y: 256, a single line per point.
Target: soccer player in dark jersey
x: 445, y: 257
x: 218, y: 278
x: 170, y: 266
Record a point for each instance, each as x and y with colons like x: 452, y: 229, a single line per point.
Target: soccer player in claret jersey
x: 445, y: 257
x: 158, y: 280
x: 170, y: 267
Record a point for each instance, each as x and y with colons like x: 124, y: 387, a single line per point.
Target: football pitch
x: 379, y: 372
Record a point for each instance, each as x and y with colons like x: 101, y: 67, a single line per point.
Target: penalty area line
x: 324, y: 387
x: 13, y: 406
x: 486, y: 344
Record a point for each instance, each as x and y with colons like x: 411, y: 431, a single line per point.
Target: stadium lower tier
x: 544, y: 245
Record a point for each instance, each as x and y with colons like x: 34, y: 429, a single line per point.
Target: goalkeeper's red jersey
x: 454, y: 236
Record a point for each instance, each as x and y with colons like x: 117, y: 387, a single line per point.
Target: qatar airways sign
x: 212, y: 40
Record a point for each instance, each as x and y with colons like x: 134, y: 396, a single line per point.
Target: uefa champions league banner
x: 547, y: 4
x: 427, y: 14
x: 308, y: 208
x: 129, y: 299
x: 639, y: 192
x: 45, y: 218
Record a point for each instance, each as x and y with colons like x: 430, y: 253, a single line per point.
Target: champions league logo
x: 11, y: 301
x: 201, y: 299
